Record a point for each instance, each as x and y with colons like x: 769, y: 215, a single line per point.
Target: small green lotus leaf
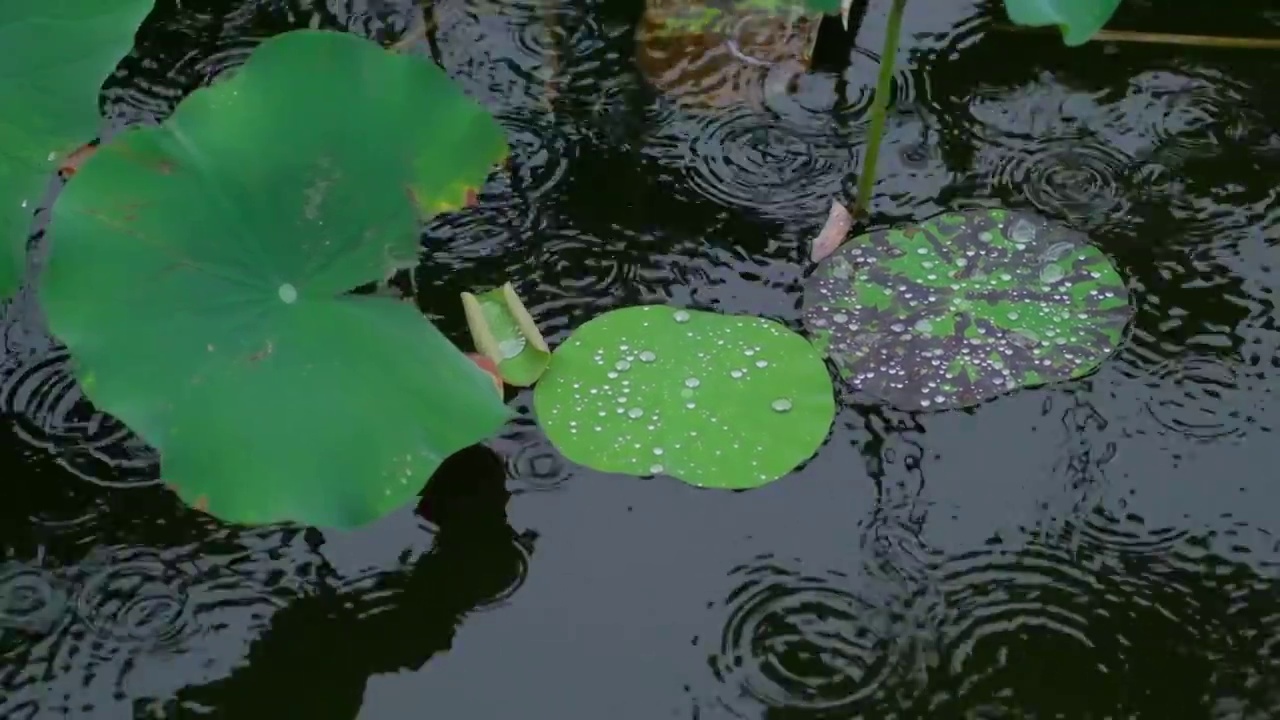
x: 720, y: 401
x: 504, y: 332
x: 964, y: 307
x: 200, y: 276
x: 1078, y: 20
x: 57, y: 53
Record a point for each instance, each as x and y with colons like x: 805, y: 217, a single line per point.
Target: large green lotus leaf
x: 56, y: 55
x: 1078, y: 20
x: 715, y: 400
x: 964, y: 307
x: 199, y: 275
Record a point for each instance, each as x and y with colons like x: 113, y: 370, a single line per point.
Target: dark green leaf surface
x: 54, y: 57
x: 199, y: 275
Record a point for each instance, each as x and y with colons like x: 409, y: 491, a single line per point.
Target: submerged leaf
x: 201, y: 274
x: 57, y: 53
x: 714, y: 400
x: 964, y: 307
x: 719, y: 53
x: 503, y: 331
x: 1078, y: 20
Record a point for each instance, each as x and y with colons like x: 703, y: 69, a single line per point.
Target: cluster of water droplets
x: 628, y: 402
x: 1016, y: 292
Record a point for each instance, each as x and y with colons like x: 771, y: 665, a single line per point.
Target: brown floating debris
x: 833, y: 233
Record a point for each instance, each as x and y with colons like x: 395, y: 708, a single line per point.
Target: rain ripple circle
x: 742, y: 159
x: 53, y: 413
x: 532, y: 461
x: 31, y: 600
x: 1068, y: 178
x: 540, y: 151
x: 135, y: 596
x: 1201, y: 398
x: 805, y: 643
x: 994, y: 599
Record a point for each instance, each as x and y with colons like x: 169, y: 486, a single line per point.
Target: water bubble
x: 840, y: 318
x: 658, y: 451
x: 647, y: 356
x: 781, y: 405
x: 681, y: 316
x: 635, y: 413
x: 612, y: 375
x: 762, y: 363
x: 656, y: 468
x: 288, y: 293
x: 1013, y: 315
x: 923, y: 326
x: 622, y: 365
x: 692, y: 382
x: 735, y: 374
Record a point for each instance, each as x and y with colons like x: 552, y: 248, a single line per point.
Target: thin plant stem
x: 879, y: 106
x: 1209, y: 41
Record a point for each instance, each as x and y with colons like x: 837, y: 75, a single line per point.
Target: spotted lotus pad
x: 964, y: 307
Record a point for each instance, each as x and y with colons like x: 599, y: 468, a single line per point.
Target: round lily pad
x: 965, y: 306
x: 714, y: 400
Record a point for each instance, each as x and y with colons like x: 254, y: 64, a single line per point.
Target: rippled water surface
x: 1105, y: 548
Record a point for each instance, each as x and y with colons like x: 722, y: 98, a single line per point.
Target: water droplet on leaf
x: 1052, y: 273
x: 511, y: 347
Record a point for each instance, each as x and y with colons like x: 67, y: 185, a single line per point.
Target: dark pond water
x: 1106, y: 548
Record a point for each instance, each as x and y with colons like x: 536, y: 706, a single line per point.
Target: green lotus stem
x: 1135, y: 36
x: 879, y: 105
